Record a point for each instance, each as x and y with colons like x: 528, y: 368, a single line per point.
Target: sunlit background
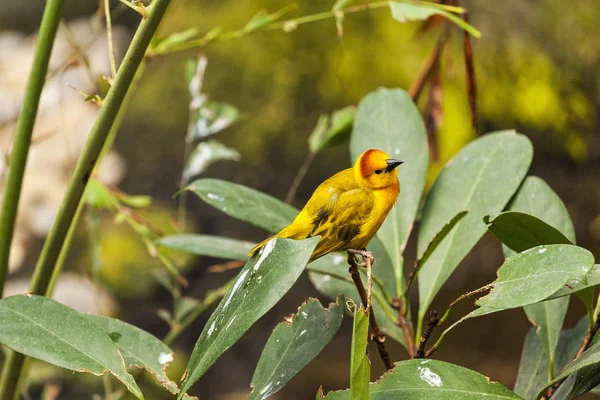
x: 538, y: 71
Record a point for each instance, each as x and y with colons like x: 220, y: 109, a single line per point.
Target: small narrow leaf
x: 139, y: 348
x: 244, y: 203
x: 360, y: 366
x: 388, y: 119
x: 329, y: 132
x: 293, y: 345
x: 263, y: 18
x: 42, y: 328
x: 481, y: 178
x: 404, y: 12
x: 259, y: 286
x: 432, y: 380
x: 205, y: 154
x: 208, y: 245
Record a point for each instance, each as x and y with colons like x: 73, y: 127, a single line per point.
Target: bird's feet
x: 365, y: 254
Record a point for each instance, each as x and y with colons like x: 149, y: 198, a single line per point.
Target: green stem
x: 9, y: 382
x: 18, y: 158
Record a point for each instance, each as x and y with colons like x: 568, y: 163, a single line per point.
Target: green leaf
x: 208, y: 245
x: 387, y: 119
x: 205, y: 154
x: 42, y: 328
x: 262, y: 282
x: 139, y: 348
x: 532, y: 276
x: 134, y: 201
x: 330, y: 276
x: 246, y: 204
x: 404, y: 12
x: 292, y: 345
x: 520, y: 231
x: 98, y: 196
x: 536, y: 274
x: 481, y: 178
x: 591, y: 279
x: 360, y: 368
x: 326, y: 135
x: 533, y: 368
x: 432, y: 380
x: 173, y: 39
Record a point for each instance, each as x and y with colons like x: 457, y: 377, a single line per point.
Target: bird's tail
x: 261, y: 244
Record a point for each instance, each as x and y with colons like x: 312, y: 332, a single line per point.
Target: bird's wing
x: 339, y: 219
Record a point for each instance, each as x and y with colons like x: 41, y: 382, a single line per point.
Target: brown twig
x: 403, y: 324
x: 434, y: 320
x: 376, y: 335
x: 471, y: 80
x: 427, y: 68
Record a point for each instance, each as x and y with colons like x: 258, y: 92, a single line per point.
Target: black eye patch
x: 378, y: 171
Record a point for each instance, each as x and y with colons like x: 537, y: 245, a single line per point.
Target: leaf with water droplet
x: 431, y: 379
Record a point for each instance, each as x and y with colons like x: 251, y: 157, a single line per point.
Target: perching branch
x: 376, y: 335
x: 405, y: 325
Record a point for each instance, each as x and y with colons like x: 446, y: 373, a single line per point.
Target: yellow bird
x: 348, y: 208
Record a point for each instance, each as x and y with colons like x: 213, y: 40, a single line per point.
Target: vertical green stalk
x: 13, y: 366
x: 18, y: 158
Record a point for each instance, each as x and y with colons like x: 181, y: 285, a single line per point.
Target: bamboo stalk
x: 25, y: 123
x: 13, y: 367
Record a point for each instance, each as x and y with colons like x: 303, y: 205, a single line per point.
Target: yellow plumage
x: 348, y: 208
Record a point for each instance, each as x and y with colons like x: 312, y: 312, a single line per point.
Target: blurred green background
x: 538, y: 71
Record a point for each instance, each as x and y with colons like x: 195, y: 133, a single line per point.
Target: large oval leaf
x: 244, y: 203
x: 293, y: 345
x: 481, y: 179
x: 538, y: 216
x: 42, y: 328
x: 387, y: 119
x: 432, y: 380
x: 208, y: 245
x: 262, y: 282
x: 139, y: 348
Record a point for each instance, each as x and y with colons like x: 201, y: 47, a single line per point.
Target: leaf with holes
x: 262, y: 282
x: 139, y: 348
x: 387, y: 119
x: 294, y: 344
x: 42, y: 328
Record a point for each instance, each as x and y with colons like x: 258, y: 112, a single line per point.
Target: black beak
x: 392, y: 163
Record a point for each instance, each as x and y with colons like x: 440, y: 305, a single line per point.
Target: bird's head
x: 375, y: 169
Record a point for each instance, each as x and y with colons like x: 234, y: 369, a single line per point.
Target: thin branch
x: 376, y: 335
x: 299, y: 177
x: 403, y: 323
